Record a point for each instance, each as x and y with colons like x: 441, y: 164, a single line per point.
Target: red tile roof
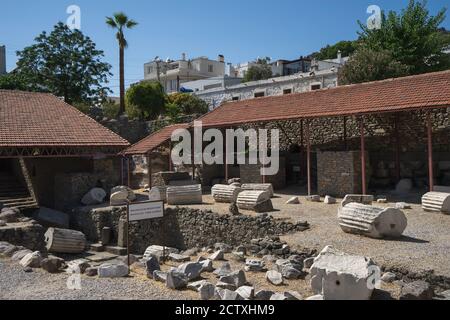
x: 393, y: 95
x: 154, y: 140
x: 39, y: 119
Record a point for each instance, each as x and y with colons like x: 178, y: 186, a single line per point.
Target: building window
x: 259, y: 94
x: 235, y: 98
x: 316, y: 87
x: 287, y: 91
x: 149, y: 70
x: 210, y: 68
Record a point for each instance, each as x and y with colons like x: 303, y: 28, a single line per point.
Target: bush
x: 187, y: 103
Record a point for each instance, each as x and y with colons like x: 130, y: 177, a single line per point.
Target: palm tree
x: 120, y: 21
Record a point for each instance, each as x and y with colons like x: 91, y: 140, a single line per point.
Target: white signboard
x: 146, y: 210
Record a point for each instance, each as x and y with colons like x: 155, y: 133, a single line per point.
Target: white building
x: 298, y: 75
x: 300, y: 82
x: 2, y: 60
x: 330, y: 63
x: 172, y: 74
x: 211, y: 83
x: 279, y: 67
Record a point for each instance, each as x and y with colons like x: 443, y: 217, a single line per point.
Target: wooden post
x: 129, y: 171
x: 397, y: 148
x: 149, y: 164
x: 301, y: 133
x: 225, y: 160
x: 308, y: 158
x: 345, y: 133
x: 363, y: 156
x: 430, y: 152
x: 121, y: 171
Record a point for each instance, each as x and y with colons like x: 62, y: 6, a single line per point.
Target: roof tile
x: 392, y: 95
x: 29, y: 119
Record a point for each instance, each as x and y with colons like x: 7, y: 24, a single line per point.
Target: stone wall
x: 43, y: 172
x: 327, y: 134
x: 135, y: 130
x: 181, y: 227
x: 69, y: 188
x: 29, y: 235
x: 339, y: 173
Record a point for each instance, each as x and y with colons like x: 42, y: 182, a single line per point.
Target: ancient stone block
x: 94, y: 196
x: 339, y: 276
x: 248, y: 200
x: 371, y: 221
x: 225, y: 193
x: 258, y: 187
x: 436, y: 202
x: 183, y: 195
x: 108, y: 270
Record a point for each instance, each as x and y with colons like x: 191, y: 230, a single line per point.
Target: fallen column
x: 65, y: 241
x: 436, y: 202
x: 358, y: 198
x: 249, y: 200
x: 184, y: 195
x: 225, y: 193
x: 372, y: 221
x: 258, y: 187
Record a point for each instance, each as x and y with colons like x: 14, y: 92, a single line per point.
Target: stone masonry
x: 181, y: 227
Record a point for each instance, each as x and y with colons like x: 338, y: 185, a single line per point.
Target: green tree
x: 119, y: 22
x: 188, y: 104
x: 148, y: 97
x: 331, y: 52
x: 174, y: 112
x: 368, y: 65
x: 412, y: 37
x: 14, y: 81
x: 260, y: 71
x: 65, y: 63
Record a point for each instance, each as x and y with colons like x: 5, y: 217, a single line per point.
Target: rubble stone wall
x: 28, y: 235
x: 181, y: 227
x: 69, y: 188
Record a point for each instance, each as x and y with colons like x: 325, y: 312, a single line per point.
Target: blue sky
x: 240, y: 30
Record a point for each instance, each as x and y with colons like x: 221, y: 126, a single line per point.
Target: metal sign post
x: 139, y: 211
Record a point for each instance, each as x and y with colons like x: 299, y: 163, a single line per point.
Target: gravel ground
x: 424, y: 246
x: 15, y: 284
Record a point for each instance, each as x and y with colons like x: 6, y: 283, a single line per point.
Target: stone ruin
x: 336, y: 275
x: 357, y: 217
x: 437, y: 201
